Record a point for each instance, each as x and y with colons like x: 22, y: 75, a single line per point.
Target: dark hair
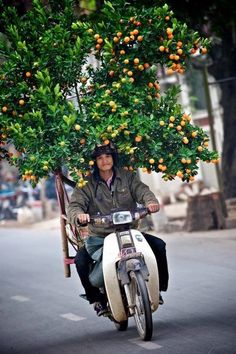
x: 108, y: 149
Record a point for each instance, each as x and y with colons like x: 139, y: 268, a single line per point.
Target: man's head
x: 105, y: 157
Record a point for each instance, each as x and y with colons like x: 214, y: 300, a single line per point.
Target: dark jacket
x: 125, y: 192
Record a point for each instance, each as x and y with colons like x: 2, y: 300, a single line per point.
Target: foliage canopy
x: 56, y: 106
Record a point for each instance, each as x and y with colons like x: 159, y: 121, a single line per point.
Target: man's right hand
x: 83, y: 218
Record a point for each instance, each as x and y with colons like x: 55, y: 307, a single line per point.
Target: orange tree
x: 45, y: 62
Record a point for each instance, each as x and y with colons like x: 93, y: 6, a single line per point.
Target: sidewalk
x: 54, y: 224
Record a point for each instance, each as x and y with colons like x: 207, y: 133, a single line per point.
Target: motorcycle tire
x: 121, y: 326
x: 142, y: 307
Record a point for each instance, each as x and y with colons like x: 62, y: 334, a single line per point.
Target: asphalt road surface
x: 41, y: 311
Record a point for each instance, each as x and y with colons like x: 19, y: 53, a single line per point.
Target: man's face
x: 104, y: 162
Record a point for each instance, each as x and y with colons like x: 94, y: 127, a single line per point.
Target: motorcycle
x: 130, y: 274
x: 129, y: 268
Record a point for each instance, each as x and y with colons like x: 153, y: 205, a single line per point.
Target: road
x: 41, y: 311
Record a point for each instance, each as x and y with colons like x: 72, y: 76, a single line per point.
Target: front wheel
x: 141, y: 303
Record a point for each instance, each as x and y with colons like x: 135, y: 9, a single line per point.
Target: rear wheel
x: 141, y: 303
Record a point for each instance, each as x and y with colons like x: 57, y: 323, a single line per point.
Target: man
x: 110, y: 187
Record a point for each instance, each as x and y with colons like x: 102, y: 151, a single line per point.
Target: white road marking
x: 145, y: 345
x: 72, y: 317
x: 20, y: 298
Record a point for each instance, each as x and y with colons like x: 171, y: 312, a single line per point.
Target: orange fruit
x: 203, y: 50
x: 91, y: 163
x: 169, y: 71
x: 28, y: 74
x: 77, y: 127
x: 4, y: 109
x: 99, y: 40
x: 136, y: 60
x: 162, y: 123
x: 135, y: 32
x: 82, y: 141
x: 119, y: 34
x: 21, y: 102
x: 199, y: 148
x: 96, y: 36
x: 126, y: 39
x: 180, y: 51
x: 161, y: 48
x: 138, y: 138
x: 115, y: 39
x: 179, y: 174
x: 185, y: 140
x: 151, y: 161
x: 140, y: 38
x: 112, y: 103
x: 172, y: 118
x: 146, y: 65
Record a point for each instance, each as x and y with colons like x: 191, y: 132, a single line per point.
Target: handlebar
x: 136, y: 214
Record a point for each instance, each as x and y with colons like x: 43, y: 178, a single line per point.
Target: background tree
x: 216, y: 19
x: 45, y: 61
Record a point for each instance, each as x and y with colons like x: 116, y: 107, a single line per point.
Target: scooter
x: 130, y: 272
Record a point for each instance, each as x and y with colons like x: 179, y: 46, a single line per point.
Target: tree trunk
x: 223, y: 68
x: 204, y: 213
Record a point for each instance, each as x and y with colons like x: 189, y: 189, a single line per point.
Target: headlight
x: 122, y: 217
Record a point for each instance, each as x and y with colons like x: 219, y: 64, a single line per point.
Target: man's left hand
x: 153, y: 208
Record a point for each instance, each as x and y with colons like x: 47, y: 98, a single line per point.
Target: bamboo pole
x: 65, y: 246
